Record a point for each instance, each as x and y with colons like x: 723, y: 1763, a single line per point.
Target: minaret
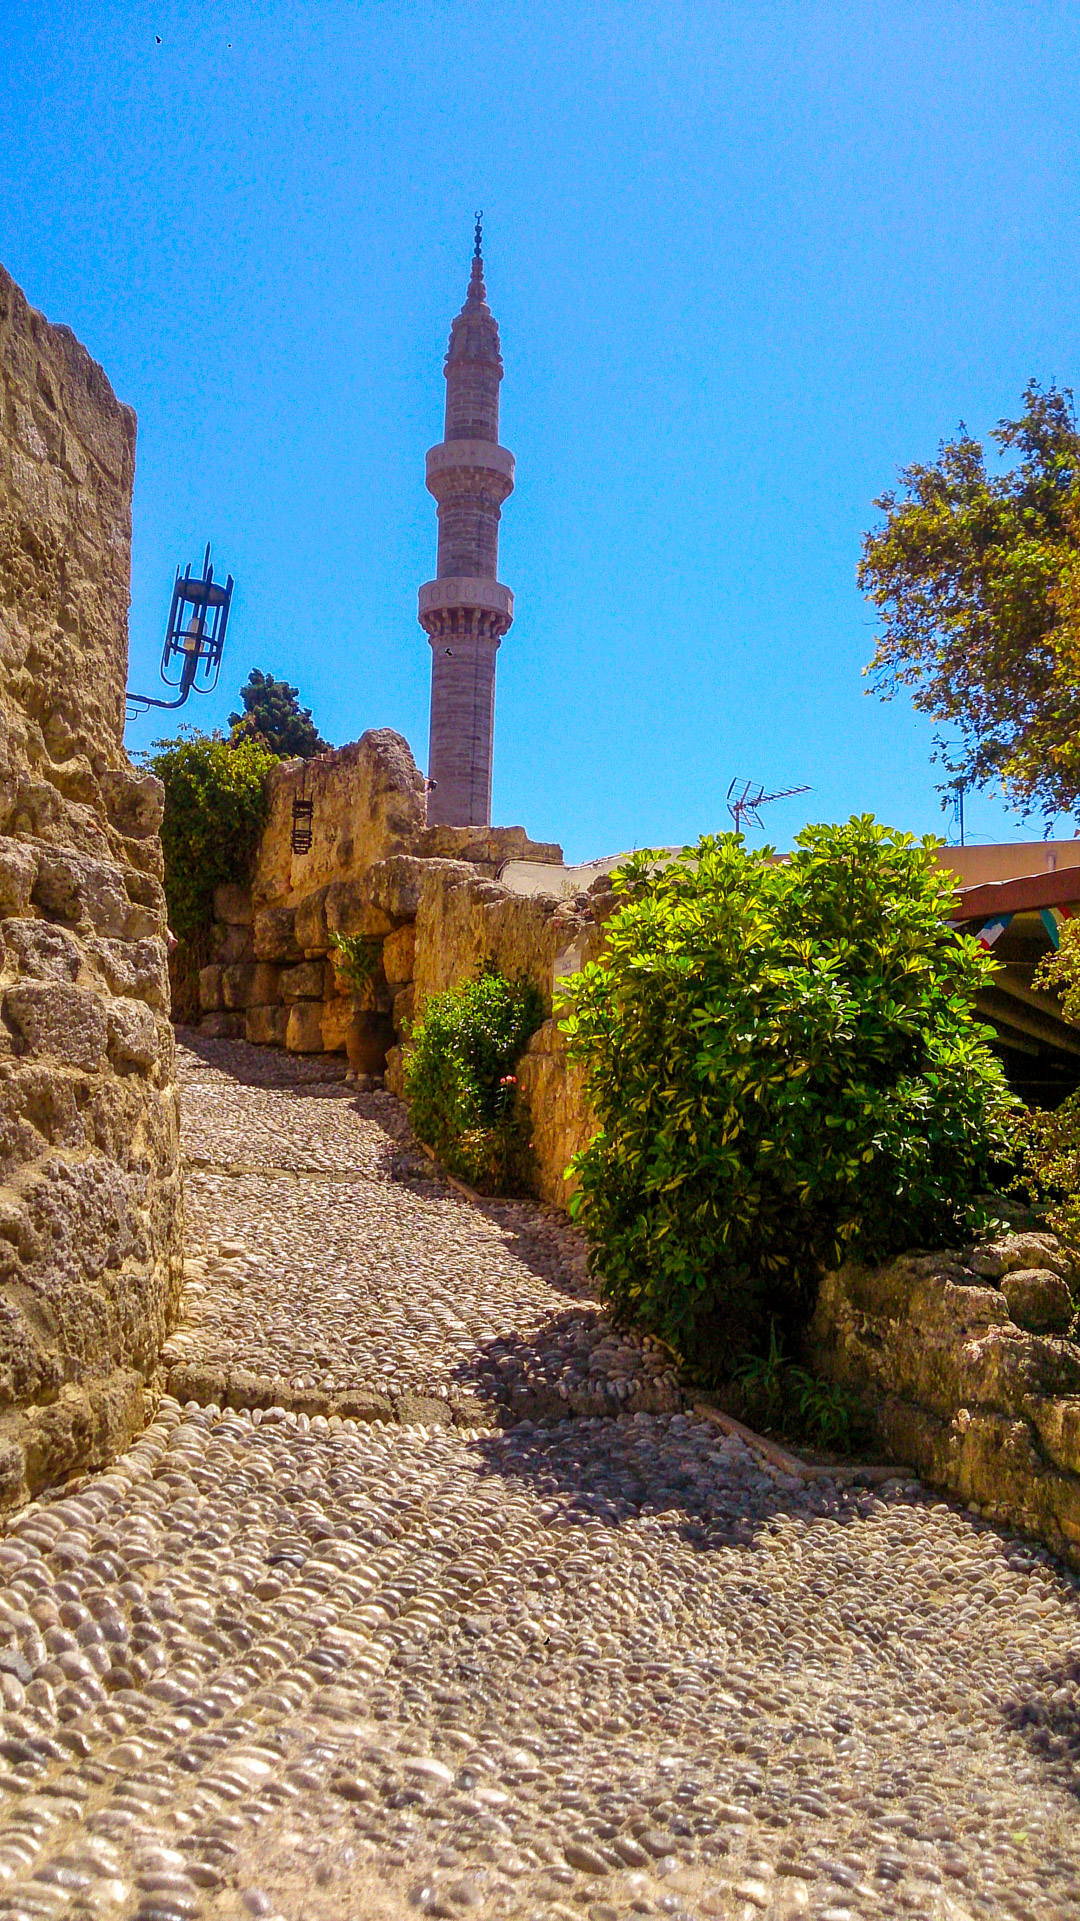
x: 464, y: 611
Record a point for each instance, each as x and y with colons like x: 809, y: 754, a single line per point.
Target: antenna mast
x: 751, y: 796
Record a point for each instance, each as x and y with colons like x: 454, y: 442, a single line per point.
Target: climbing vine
x: 216, y: 806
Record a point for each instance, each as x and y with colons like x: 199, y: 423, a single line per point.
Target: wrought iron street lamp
x: 194, y: 638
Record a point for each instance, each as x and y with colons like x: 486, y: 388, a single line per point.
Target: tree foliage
x: 1052, y: 1138
x: 460, y: 1081
x: 786, y: 1067
x: 216, y: 807
x: 273, y: 715
x: 976, y: 578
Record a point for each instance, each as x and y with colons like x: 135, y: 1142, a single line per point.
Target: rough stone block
x: 223, y: 1027
x: 82, y: 890
x: 312, y: 933
x: 238, y: 985
x: 1038, y: 1300
x: 64, y: 1022
x: 18, y: 873
x: 1057, y: 1423
x: 395, y: 1072
x: 135, y: 801
x: 275, y: 935
x: 137, y: 968
x: 133, y: 1035
x: 336, y: 1018
x: 301, y: 983
x: 267, y: 1026
x: 404, y: 1008
x: 231, y: 943
x: 232, y: 904
x: 395, y: 884
x: 399, y: 955
x: 211, y: 992
x: 303, y: 1033
x: 43, y: 952
x: 350, y: 911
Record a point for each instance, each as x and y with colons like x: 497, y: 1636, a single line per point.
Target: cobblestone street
x: 455, y: 1609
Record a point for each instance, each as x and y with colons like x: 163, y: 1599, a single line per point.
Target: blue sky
x: 747, y: 259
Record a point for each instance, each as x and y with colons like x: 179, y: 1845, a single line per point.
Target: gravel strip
x: 604, y: 1668
x: 333, y: 1247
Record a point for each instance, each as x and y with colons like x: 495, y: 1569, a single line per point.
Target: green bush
x: 216, y: 807
x: 786, y: 1066
x: 460, y: 1082
x: 357, y: 958
x: 777, y: 1396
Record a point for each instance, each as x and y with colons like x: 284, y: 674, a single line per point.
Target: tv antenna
x: 751, y: 796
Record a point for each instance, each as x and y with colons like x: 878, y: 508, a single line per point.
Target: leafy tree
x: 786, y: 1067
x: 273, y: 714
x: 216, y: 807
x: 976, y: 578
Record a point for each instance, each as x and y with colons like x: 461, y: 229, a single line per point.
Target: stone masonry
x: 465, y: 611
x: 965, y: 1363
x: 90, y: 1203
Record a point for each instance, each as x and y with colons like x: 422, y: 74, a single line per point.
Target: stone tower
x: 464, y: 611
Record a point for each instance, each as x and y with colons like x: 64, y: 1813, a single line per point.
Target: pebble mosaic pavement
x: 298, y: 1665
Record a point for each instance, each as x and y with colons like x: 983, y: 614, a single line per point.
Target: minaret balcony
x: 485, y: 596
x: 469, y: 465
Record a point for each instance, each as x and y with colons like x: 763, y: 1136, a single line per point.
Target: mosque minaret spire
x: 465, y: 611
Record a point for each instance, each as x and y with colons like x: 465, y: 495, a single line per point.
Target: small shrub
x: 787, y: 1067
x: 778, y: 1397
x: 460, y: 1083
x: 216, y: 807
x: 357, y: 958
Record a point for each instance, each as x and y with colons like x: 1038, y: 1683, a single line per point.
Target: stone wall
x: 426, y: 897
x: 965, y: 1364
x: 90, y: 1203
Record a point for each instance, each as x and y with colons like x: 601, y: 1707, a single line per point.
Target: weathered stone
x: 18, y: 872
x: 223, y: 1026
x: 399, y: 955
x: 275, y: 935
x: 51, y: 1019
x: 240, y: 986
x: 43, y: 952
x: 312, y: 933
x: 553, y: 1089
x: 304, y: 982
x: 303, y: 1032
x: 337, y: 1016
x: 231, y: 943
x: 133, y: 1035
x: 350, y: 911
x: 404, y: 1008
x: 1027, y: 1250
x: 368, y: 803
x: 978, y: 1404
x: 395, y: 884
x: 1038, y: 1299
x: 395, y: 1072
x: 138, y: 968
x: 211, y: 991
x: 232, y: 904
x: 267, y: 1026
